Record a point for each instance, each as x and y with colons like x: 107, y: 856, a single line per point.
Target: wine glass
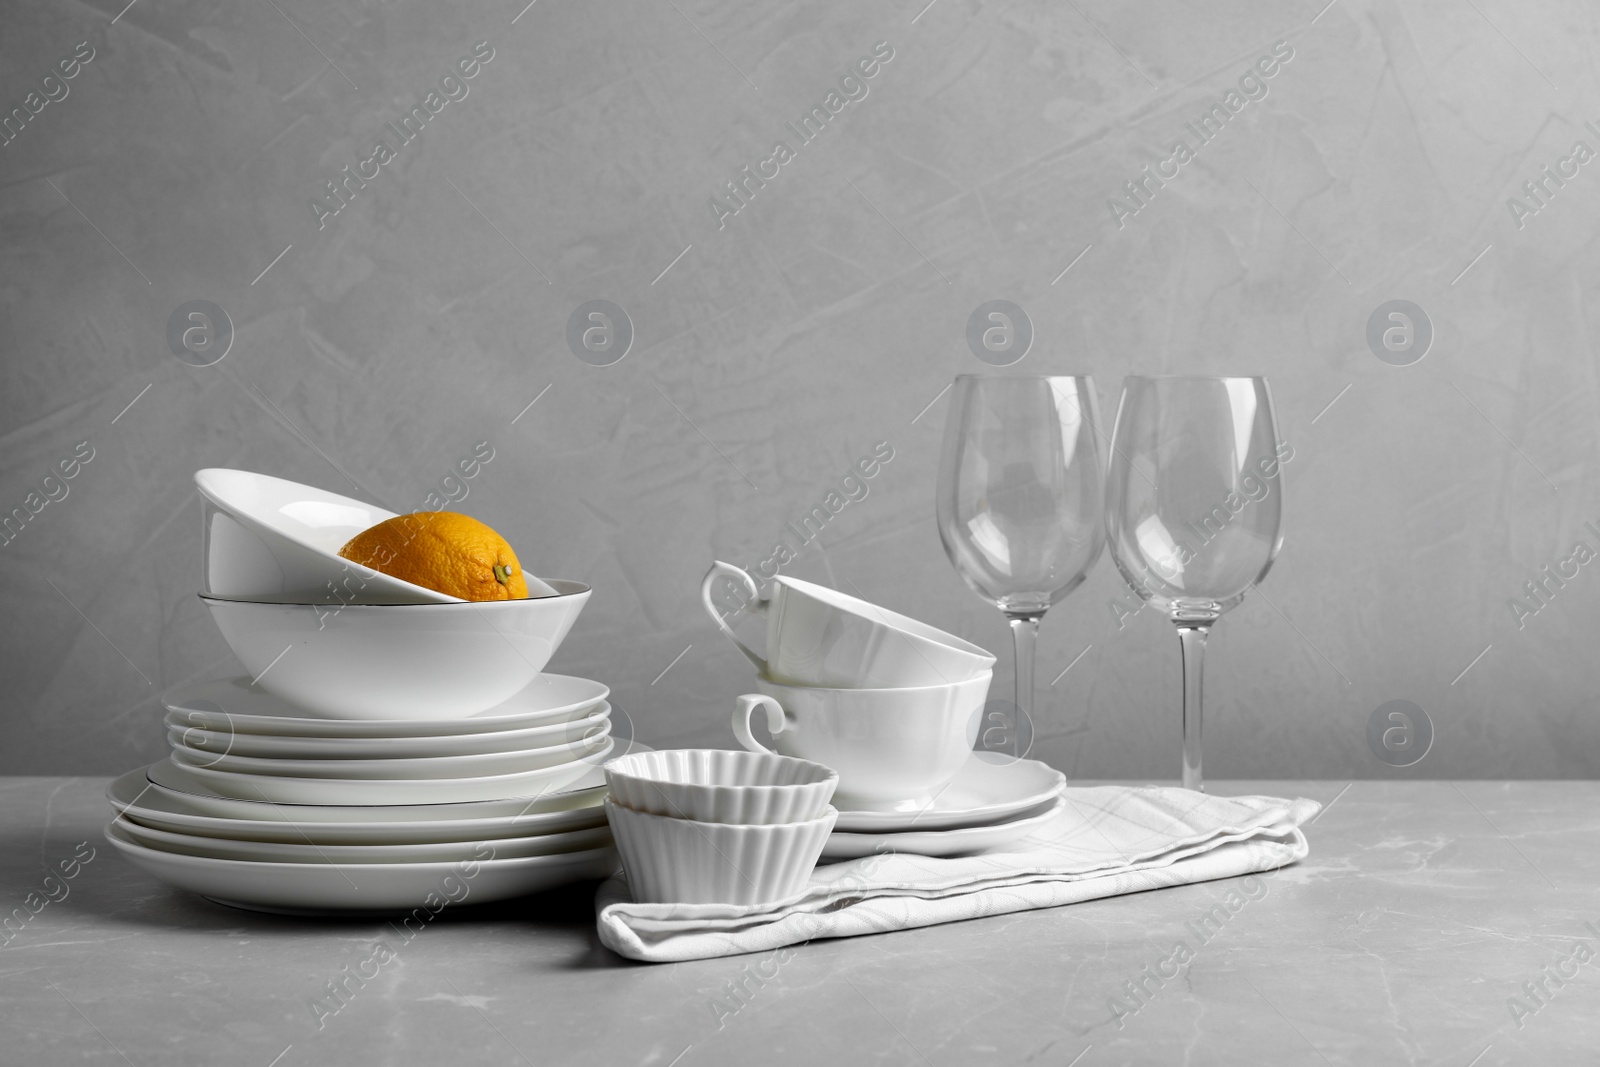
x: 1194, y: 505
x: 1020, y: 499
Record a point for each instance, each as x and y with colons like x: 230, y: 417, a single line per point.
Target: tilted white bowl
x: 270, y: 539
x: 682, y: 861
x: 398, y: 661
x: 275, y: 541
x: 718, y: 785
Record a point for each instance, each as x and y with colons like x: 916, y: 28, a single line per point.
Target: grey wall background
x: 824, y: 317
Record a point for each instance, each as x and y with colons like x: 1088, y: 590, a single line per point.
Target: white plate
x: 275, y: 789
x: 231, y: 704
x: 379, y: 888
x: 304, y: 852
x: 981, y: 792
x: 193, y: 808
x: 273, y: 746
x: 136, y: 796
x: 367, y: 770
x: 939, y: 842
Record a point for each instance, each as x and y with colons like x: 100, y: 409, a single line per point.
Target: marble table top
x: 1433, y: 923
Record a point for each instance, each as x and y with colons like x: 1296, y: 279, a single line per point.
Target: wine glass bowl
x: 1021, y: 497
x: 1192, y: 502
x: 1020, y: 488
x: 1194, y: 507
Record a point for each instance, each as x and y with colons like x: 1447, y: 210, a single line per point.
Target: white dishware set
x: 388, y: 742
x: 391, y: 746
x: 894, y: 706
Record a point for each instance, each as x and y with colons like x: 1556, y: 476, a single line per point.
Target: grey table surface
x: 1432, y: 923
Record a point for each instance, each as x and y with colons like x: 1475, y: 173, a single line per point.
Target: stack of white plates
x: 262, y: 807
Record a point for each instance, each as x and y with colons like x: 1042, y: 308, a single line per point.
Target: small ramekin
x: 722, y: 786
x: 682, y: 861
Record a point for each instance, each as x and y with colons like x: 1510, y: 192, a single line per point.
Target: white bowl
x: 398, y: 661
x: 681, y: 861
x: 270, y: 539
x: 276, y: 541
x: 718, y: 785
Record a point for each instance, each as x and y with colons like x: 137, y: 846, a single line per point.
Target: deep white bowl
x: 682, y: 861
x: 718, y: 785
x: 398, y: 661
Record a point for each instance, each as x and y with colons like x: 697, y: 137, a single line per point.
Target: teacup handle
x: 741, y: 720
x: 720, y: 569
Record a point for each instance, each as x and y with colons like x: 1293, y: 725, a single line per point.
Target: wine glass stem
x: 1192, y: 637
x: 1024, y: 635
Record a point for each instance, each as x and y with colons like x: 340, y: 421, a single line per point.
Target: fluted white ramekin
x: 682, y: 861
x: 721, y: 785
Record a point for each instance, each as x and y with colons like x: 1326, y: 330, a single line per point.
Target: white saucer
x: 232, y: 705
x: 378, y: 888
x: 959, y: 842
x: 282, y: 746
x: 276, y: 789
x: 981, y: 792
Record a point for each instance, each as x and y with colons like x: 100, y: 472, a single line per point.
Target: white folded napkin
x: 1107, y: 840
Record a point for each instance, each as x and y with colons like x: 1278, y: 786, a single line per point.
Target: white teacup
x: 894, y: 749
x: 821, y: 637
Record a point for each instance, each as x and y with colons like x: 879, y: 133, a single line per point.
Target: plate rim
x: 596, y: 714
x: 390, y: 784
x: 202, y: 841
x: 367, y: 728
x: 198, y: 822
x: 346, y: 769
x: 109, y: 831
